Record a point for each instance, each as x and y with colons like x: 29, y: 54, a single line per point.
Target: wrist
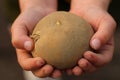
x: 46, y: 5
x: 103, y: 4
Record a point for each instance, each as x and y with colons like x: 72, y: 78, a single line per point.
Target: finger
x: 27, y: 62
x: 86, y: 65
x: 56, y: 73
x: 45, y: 71
x: 20, y: 37
x: 102, y: 57
x: 22, y: 28
x: 77, y: 71
x: 104, y: 33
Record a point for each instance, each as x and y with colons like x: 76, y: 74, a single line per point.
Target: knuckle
x: 25, y: 66
x: 113, y: 24
x: 15, y: 42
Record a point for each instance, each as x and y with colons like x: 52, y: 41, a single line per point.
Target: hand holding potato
x: 93, y: 11
x: 22, y: 27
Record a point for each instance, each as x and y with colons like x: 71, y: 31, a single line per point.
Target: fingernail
x: 83, y: 64
x: 28, y: 45
x: 96, y: 44
x: 39, y: 63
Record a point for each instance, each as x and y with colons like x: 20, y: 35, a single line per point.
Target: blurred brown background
x: 10, y: 69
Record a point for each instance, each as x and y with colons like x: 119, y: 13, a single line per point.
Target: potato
x: 61, y: 38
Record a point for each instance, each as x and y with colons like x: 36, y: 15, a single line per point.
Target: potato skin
x: 61, y: 38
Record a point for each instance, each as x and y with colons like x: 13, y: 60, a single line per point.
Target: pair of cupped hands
x: 102, y: 40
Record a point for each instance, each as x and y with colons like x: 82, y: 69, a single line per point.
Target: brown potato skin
x: 61, y: 38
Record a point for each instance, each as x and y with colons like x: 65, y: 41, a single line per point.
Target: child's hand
x: 95, y: 12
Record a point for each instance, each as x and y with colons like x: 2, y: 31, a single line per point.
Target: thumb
x: 20, y: 38
x: 104, y: 33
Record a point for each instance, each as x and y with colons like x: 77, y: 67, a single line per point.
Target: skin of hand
x: 31, y: 12
x: 95, y: 12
